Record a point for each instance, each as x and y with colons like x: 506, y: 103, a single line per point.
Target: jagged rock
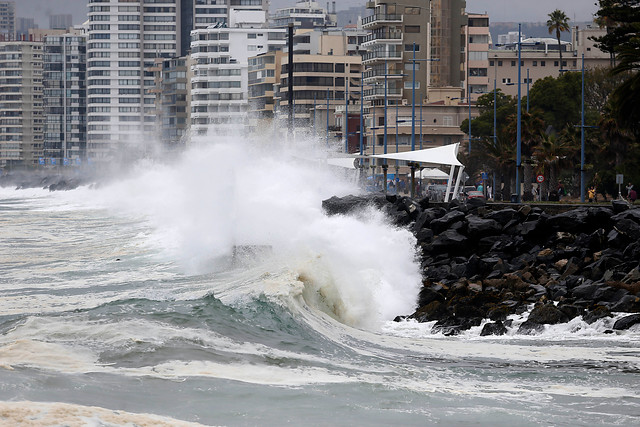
x: 479, y: 227
x: 626, y: 322
x: 503, y: 216
x: 547, y: 314
x: 571, y: 221
x: 440, y: 224
x: 596, y: 314
x: 496, y: 328
x: 628, y: 228
x: 448, y: 241
x: 435, y: 310
x: 619, y: 206
x: 344, y: 205
x: 428, y: 295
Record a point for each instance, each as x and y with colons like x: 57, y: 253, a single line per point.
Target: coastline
x: 484, y: 261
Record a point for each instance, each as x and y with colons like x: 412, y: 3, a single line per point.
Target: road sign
x: 540, y: 178
x: 485, y: 175
x: 619, y: 178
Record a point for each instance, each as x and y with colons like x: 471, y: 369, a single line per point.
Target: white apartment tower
x: 21, y: 109
x: 220, y: 56
x: 125, y: 37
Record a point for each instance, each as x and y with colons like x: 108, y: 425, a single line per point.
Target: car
x: 475, y: 195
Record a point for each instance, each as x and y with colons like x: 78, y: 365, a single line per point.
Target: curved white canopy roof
x: 445, y: 155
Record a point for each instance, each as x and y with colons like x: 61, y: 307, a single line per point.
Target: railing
x: 385, y: 35
x: 381, y: 55
x: 380, y: 73
x: 381, y: 17
x: 379, y: 91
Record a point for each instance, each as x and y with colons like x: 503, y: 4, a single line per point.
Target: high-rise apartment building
x: 478, y: 44
x: 65, y: 97
x: 21, y: 108
x: 7, y: 19
x: 219, y: 86
x: 124, y: 39
x: 304, y: 14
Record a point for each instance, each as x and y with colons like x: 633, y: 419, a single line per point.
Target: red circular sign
x: 540, y: 178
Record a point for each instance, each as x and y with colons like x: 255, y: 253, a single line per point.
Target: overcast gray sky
x: 499, y: 10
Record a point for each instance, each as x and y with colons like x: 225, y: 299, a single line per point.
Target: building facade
x: 65, y: 97
x: 220, y: 55
x: 21, y: 105
x: 7, y: 20
x: 477, y: 64
x: 304, y: 14
x: 540, y: 58
x: 124, y: 39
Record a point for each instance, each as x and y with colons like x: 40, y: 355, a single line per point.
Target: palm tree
x: 558, y: 22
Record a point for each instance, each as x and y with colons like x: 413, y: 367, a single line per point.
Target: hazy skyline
x: 498, y: 10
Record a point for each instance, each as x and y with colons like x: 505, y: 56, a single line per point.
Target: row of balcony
x: 380, y: 18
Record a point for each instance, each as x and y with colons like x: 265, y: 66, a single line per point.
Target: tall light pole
x: 361, y: 113
x: 582, y: 154
x: 327, y: 117
x: 519, y: 125
x: 346, y: 113
x: 413, y: 102
x: 495, y: 122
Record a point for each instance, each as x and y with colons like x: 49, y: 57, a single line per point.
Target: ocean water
x: 125, y: 305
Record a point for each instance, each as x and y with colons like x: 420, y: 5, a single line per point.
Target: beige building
x: 21, y: 103
x: 540, y: 58
x: 433, y: 31
x: 477, y: 64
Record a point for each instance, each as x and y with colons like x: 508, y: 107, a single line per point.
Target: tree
x: 553, y: 152
x: 558, y: 22
x: 623, y: 25
x: 558, y: 99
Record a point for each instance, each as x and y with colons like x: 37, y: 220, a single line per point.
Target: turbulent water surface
x: 127, y: 305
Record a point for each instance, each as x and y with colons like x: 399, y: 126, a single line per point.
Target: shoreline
x: 488, y: 261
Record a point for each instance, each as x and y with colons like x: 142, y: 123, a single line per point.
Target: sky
x: 499, y: 10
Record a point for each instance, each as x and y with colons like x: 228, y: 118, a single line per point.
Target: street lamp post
x: 582, y: 172
x: 519, y: 124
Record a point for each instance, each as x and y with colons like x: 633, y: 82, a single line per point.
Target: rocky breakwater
x: 52, y: 182
x: 482, y: 262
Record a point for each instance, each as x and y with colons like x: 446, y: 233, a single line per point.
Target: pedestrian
x: 592, y: 194
x: 633, y: 196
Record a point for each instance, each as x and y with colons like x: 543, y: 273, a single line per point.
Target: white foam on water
x: 45, y: 414
x: 361, y: 269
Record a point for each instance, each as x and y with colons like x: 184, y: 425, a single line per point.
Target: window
x: 543, y: 63
x: 412, y: 10
x: 499, y: 63
x: 409, y: 47
x: 412, y: 28
x: 491, y: 63
x: 513, y: 63
x: 478, y: 56
x: 535, y: 63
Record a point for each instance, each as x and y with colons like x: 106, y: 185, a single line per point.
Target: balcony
x: 383, y: 37
x: 379, y: 74
x: 380, y: 19
x: 381, y: 56
x: 378, y: 92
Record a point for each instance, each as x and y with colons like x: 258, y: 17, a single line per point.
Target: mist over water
x: 235, y: 192
x: 124, y: 304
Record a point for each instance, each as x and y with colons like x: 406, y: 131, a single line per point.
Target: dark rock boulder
x: 629, y: 229
x: 449, y: 241
x: 626, y: 322
x: 440, y: 224
x: 547, y: 314
x: 479, y: 227
x: 619, y: 206
x: 344, y: 205
x: 496, y: 328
